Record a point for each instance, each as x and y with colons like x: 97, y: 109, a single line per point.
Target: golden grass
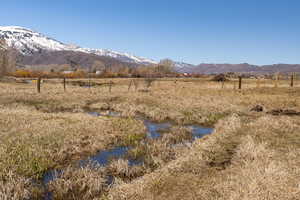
x: 33, y: 142
x: 157, y: 153
x: 13, y: 187
x: 233, y: 163
x: 250, y: 155
x: 79, y: 183
x: 122, y: 170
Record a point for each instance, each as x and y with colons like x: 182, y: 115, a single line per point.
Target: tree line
x: 164, y: 68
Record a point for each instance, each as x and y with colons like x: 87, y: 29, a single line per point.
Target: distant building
x: 68, y: 72
x: 187, y: 74
x: 99, y: 72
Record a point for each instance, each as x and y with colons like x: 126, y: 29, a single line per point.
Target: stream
x: 153, y: 131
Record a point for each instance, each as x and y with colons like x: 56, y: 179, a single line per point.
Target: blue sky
x: 193, y: 31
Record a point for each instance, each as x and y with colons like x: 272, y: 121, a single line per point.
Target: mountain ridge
x: 38, y: 49
x: 28, y: 42
x: 209, y: 68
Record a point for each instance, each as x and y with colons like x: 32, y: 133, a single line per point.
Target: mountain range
x: 205, y: 68
x: 36, y: 49
x: 30, y: 43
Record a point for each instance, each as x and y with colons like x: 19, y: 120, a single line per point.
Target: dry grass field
x: 249, y: 155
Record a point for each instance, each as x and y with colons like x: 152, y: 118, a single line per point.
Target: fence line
x: 277, y: 81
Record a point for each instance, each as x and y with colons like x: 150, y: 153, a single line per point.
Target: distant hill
x: 240, y: 68
x: 76, y: 59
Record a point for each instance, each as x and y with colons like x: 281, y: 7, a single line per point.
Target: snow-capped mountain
x: 29, y: 42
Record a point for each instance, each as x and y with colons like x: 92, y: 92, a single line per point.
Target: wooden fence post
x: 89, y: 82
x: 64, y: 82
x: 38, y: 83
x: 136, y: 85
x: 276, y: 80
x: 240, y: 82
x: 258, y: 82
x: 110, y: 86
x: 292, y: 80
x: 130, y: 85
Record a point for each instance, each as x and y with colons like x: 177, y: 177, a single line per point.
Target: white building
x: 68, y: 72
x: 99, y: 72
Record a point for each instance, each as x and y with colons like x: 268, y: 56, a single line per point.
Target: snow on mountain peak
x: 15, y: 29
x: 29, y: 42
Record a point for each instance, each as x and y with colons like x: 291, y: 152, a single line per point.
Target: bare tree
x: 12, y: 57
x: 3, y: 58
x: 8, y: 57
x: 166, y: 66
x: 98, y: 66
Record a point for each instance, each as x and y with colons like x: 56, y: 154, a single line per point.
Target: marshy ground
x: 249, y: 154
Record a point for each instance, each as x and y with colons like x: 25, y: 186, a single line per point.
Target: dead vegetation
x: 233, y: 163
x: 250, y: 155
x: 14, y: 187
x: 79, y: 183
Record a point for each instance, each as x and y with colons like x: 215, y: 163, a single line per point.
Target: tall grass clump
x: 13, y: 187
x: 74, y: 183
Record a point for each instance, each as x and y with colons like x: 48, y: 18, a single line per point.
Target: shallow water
x: 48, y: 196
x: 103, y: 158
x: 105, y: 114
x: 51, y: 175
x: 154, y: 130
x: 199, y: 131
x: 94, y: 114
